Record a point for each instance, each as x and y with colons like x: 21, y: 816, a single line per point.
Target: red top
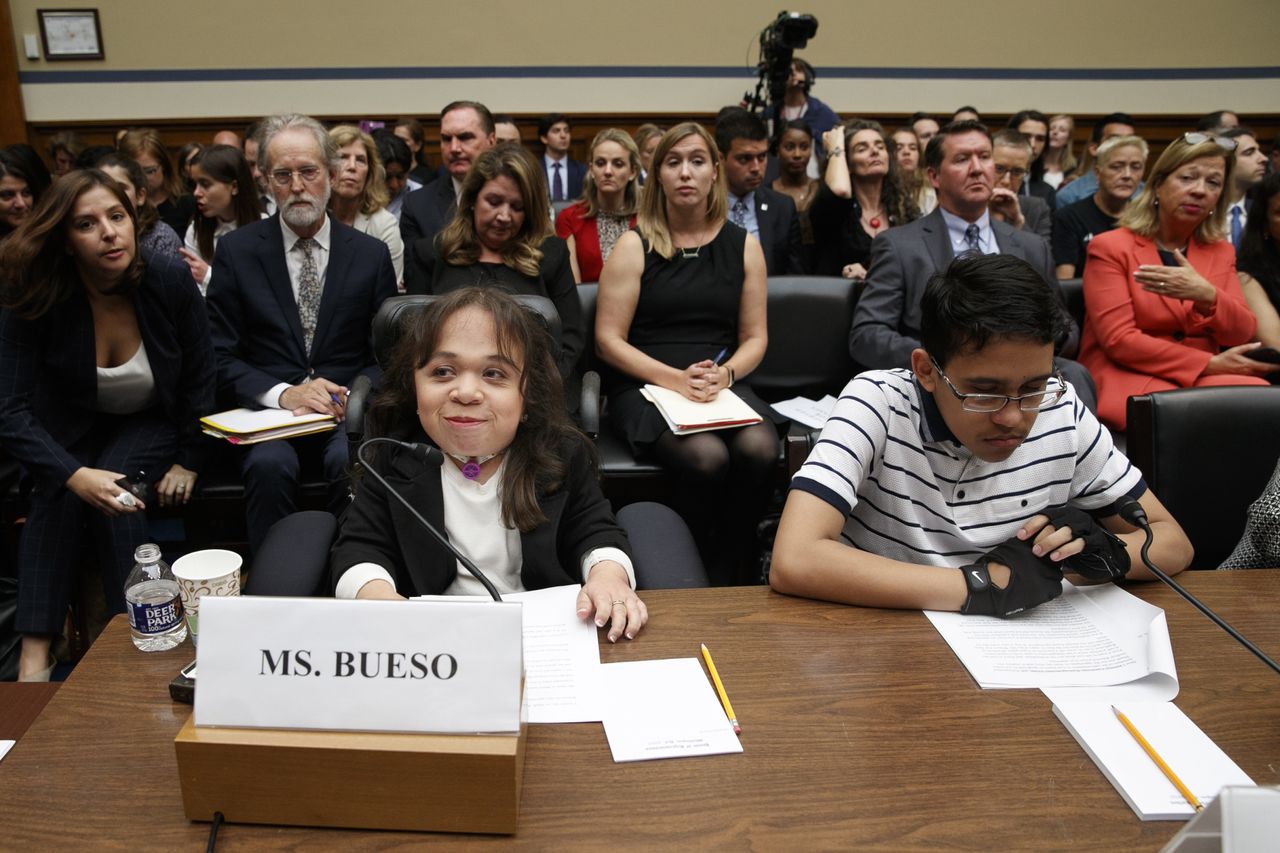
x: 586, y: 239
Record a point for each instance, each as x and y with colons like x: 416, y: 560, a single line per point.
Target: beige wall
x: 233, y: 34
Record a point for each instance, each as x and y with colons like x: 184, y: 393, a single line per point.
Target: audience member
x: 227, y: 137
x: 478, y: 357
x: 1259, y: 260
x: 925, y: 127
x: 154, y: 236
x: 186, y: 154
x: 1115, y: 124
x: 500, y: 236
x: 64, y: 148
x: 32, y: 165
x: 1160, y: 290
x: 164, y: 186
x: 1250, y: 169
x: 466, y: 129
x: 505, y: 130
x: 360, y: 194
x: 290, y: 305
x: 563, y: 174
x: 906, y: 153
x: 1059, y: 159
x: 647, y: 136
x: 226, y: 199
x: 886, y: 322
x: 105, y: 369
x: 1275, y: 154
x: 90, y: 155
x: 265, y: 199
x: 924, y: 471
x: 798, y: 104
x: 1118, y: 166
x: 1218, y: 121
x: 1034, y: 125
x: 17, y: 196
x: 1011, y: 153
x: 610, y: 195
x: 795, y: 148
x: 682, y: 305
x: 860, y: 197
x: 411, y: 132
x: 768, y: 216
x: 966, y: 113
x: 397, y: 161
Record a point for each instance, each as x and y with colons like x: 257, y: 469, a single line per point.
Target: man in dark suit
x: 1011, y: 153
x: 291, y: 304
x: 563, y: 174
x: 466, y: 129
x: 886, y: 322
x: 765, y: 214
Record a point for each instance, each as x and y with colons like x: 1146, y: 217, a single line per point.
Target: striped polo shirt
x: 910, y: 491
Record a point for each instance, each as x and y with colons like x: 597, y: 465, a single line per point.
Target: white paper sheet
x: 663, y: 709
x: 1090, y: 637
x: 811, y: 413
x: 561, y: 655
x: 5, y: 746
x: 1199, y: 763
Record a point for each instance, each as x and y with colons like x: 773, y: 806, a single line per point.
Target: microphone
x: 428, y: 455
x: 1132, y: 512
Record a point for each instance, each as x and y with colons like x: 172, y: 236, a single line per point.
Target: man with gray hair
x: 291, y: 304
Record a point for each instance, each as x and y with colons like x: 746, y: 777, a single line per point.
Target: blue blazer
x: 257, y: 336
x: 49, y: 380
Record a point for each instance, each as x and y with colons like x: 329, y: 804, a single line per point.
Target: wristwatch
x: 976, y: 577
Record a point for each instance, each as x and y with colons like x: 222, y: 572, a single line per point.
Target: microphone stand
x: 426, y: 454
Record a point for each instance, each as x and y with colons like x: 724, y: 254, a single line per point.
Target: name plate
x: 395, y: 666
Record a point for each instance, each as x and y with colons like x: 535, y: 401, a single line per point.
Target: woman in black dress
x: 682, y: 305
x: 501, y: 235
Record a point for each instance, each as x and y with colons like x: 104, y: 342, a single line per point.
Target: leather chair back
x: 395, y: 314
x: 809, y: 321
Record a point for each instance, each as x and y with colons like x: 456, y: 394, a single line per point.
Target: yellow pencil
x: 1160, y: 762
x: 724, y: 697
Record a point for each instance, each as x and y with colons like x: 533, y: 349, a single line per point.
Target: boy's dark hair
x: 1213, y: 120
x: 738, y: 124
x: 1026, y: 115
x: 551, y: 120
x: 933, y: 151
x: 981, y: 297
x: 392, y: 149
x: 1113, y: 118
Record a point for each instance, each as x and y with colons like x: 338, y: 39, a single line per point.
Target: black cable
x: 213, y: 832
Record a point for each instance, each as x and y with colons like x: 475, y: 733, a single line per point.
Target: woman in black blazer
x: 517, y: 490
x: 105, y: 369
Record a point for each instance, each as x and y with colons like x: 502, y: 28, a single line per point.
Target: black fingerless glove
x: 1032, y: 581
x: 1104, y: 557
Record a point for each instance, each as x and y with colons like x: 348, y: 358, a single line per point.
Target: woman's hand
x: 1180, y: 282
x: 176, y: 486
x: 98, y: 489
x: 608, y: 597
x: 833, y: 141
x: 701, y: 381
x: 854, y: 271
x: 1236, y: 361
x: 199, y: 269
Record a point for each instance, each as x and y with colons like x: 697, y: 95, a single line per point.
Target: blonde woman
x: 1059, y: 159
x: 360, y: 194
x: 607, y: 209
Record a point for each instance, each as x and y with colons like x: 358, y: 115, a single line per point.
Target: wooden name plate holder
x: 358, y: 780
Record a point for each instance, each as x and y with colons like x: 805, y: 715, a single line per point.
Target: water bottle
x: 154, y: 602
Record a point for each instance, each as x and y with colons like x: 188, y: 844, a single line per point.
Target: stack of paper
x: 1191, y: 755
x: 811, y: 413
x: 684, y: 416
x: 250, y: 426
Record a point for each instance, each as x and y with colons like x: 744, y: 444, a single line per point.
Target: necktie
x: 1237, y: 227
x: 971, y: 238
x: 739, y: 214
x: 308, y: 290
x: 557, y: 192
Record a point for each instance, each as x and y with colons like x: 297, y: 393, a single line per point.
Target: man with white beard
x: 291, y: 304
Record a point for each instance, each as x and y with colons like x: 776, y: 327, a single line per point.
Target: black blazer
x: 257, y: 335
x: 426, y: 212
x: 377, y: 529
x: 779, y: 231
x: 49, y: 380
x: 575, y: 174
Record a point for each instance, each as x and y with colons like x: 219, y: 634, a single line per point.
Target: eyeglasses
x: 991, y: 403
x: 1015, y: 173
x: 284, y: 177
x: 1226, y: 143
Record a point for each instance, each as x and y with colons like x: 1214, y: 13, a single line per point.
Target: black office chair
x: 1073, y: 292
x: 1207, y: 453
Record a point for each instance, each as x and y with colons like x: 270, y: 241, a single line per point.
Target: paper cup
x: 211, y: 572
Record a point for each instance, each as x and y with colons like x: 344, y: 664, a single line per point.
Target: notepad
x: 1197, y: 760
x: 251, y: 426
x: 685, y: 416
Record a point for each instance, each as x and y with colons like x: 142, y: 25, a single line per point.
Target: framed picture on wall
x: 70, y: 33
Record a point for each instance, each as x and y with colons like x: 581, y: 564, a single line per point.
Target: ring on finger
x: 619, y: 603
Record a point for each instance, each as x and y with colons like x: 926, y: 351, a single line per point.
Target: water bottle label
x: 157, y: 618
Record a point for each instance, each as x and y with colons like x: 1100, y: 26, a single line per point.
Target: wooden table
x: 861, y: 731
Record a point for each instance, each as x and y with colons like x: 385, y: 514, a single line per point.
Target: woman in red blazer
x: 1164, y: 308
x: 607, y: 209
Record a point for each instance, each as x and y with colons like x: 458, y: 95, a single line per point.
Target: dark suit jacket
x: 257, y: 335
x: 49, y: 381
x: 886, y: 323
x: 426, y: 212
x: 378, y: 529
x: 1039, y: 216
x: 576, y: 172
x: 779, y: 231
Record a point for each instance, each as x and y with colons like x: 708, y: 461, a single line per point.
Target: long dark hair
x: 898, y: 204
x: 37, y: 269
x: 226, y: 165
x: 533, y: 460
x: 1259, y: 250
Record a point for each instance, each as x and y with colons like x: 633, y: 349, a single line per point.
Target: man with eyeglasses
x: 1011, y: 152
x: 973, y: 480
x: 1118, y: 167
x: 291, y: 303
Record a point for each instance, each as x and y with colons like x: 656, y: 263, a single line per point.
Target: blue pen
x: 716, y: 360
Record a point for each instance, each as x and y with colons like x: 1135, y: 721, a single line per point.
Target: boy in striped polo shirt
x: 980, y: 457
